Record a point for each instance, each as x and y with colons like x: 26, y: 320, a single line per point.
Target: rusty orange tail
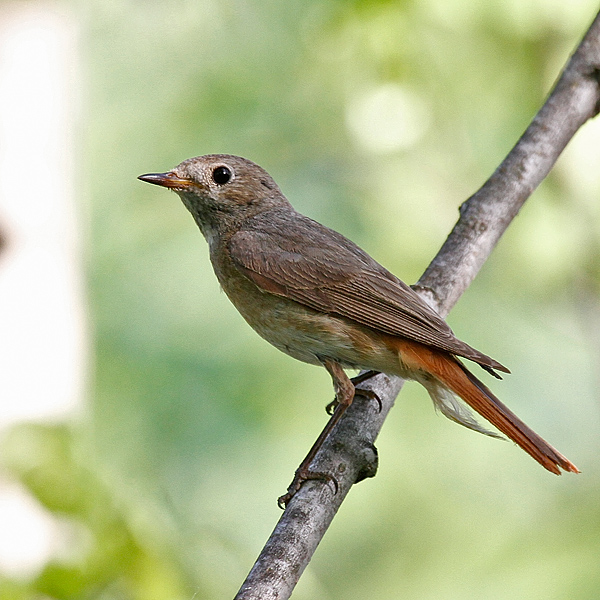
x: 453, y: 375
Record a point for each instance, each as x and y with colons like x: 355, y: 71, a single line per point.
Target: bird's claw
x: 369, y: 394
x: 299, y: 478
x: 330, y: 408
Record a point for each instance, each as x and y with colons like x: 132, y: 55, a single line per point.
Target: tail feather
x: 448, y: 403
x: 480, y: 398
x: 454, y: 376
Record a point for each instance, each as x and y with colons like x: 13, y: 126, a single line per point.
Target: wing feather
x: 288, y: 254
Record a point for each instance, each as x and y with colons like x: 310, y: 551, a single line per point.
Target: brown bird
x: 318, y: 297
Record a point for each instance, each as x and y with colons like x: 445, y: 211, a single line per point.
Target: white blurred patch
x: 387, y: 118
x: 29, y: 533
x: 42, y: 342
x: 43, y: 346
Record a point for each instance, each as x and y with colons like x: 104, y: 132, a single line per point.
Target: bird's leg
x: 344, y: 394
x: 330, y: 408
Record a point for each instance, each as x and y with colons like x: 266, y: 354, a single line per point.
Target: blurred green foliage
x: 196, y: 425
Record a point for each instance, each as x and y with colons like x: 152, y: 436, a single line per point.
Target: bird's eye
x: 221, y: 175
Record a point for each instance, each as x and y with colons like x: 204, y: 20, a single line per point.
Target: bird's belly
x: 311, y: 336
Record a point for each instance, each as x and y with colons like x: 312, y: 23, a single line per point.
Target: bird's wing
x: 290, y: 255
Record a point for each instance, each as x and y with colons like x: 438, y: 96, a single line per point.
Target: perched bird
x: 318, y: 297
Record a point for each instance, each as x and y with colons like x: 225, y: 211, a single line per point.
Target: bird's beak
x: 168, y: 180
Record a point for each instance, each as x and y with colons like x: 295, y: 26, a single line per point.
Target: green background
x: 195, y: 425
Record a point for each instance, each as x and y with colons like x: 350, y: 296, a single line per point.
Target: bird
x: 318, y: 297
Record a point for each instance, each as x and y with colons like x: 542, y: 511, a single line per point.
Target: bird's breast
x: 299, y: 331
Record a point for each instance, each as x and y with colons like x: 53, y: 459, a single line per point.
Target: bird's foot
x: 300, y: 477
x: 369, y: 394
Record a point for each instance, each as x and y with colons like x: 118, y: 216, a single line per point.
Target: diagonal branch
x: 349, y: 454
x: 486, y: 215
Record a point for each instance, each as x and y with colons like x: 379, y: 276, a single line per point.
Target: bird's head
x: 220, y: 190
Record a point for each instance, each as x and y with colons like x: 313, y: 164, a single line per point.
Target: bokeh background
x: 146, y: 431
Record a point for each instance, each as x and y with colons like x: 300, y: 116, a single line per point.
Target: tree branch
x: 349, y: 453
